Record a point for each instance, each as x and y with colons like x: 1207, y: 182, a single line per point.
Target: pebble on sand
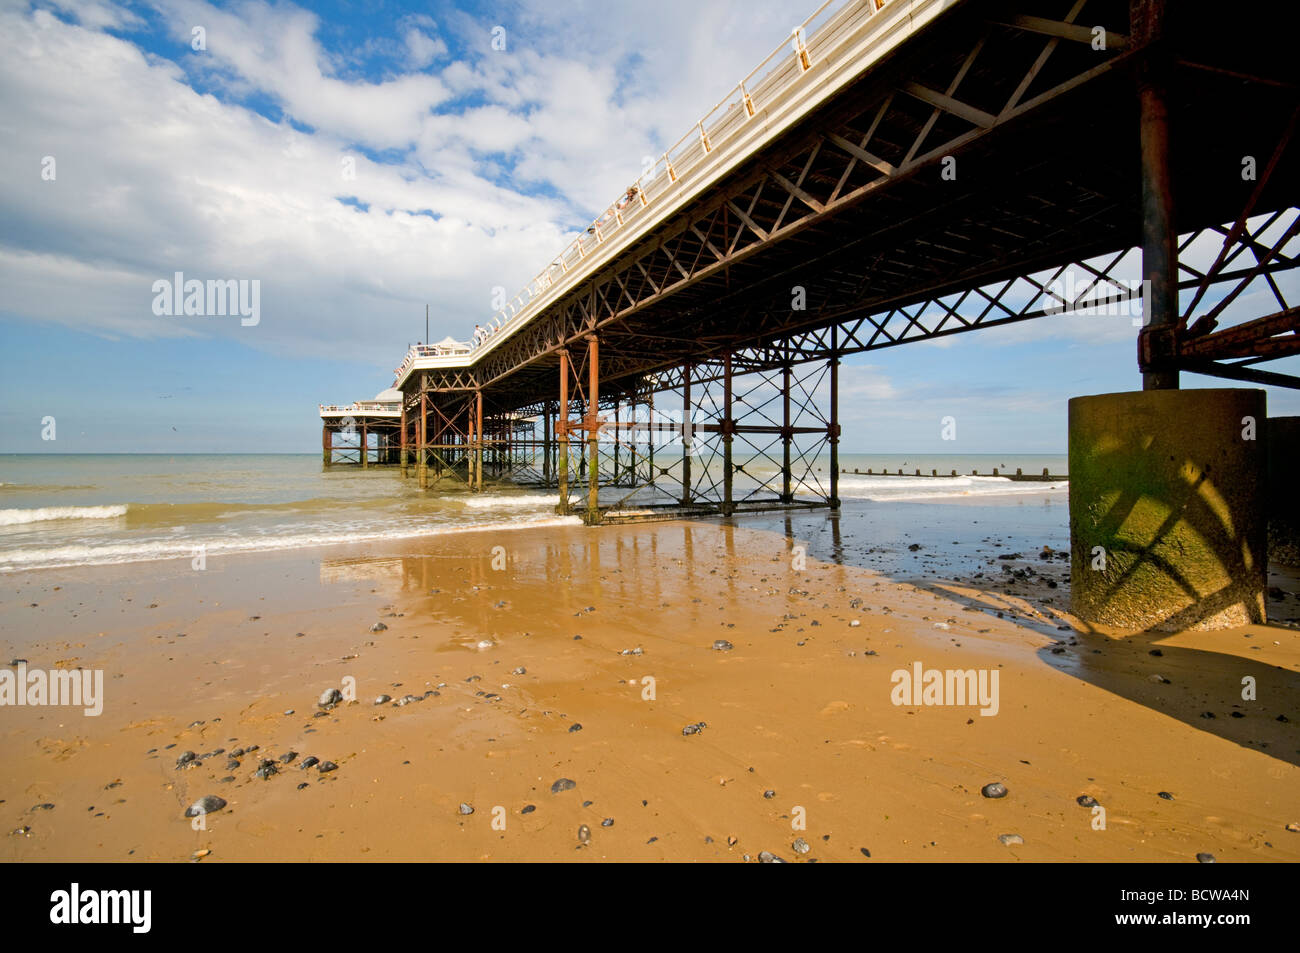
x: 1204, y: 858
x: 1086, y: 800
x: 331, y: 696
x: 379, y: 627
x: 467, y: 809
x: 1011, y: 840
x: 722, y: 645
x: 563, y: 784
x: 208, y: 804
x: 994, y: 790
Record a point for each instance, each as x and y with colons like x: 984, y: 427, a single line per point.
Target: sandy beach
x: 540, y: 655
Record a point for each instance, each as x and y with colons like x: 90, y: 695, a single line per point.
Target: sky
x: 362, y: 160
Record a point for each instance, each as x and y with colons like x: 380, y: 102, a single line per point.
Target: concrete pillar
x: 1167, y: 508
x: 1282, y: 443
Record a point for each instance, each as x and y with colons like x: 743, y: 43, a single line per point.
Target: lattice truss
x: 665, y: 443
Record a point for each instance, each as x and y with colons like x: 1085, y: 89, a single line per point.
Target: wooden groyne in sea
x: 1019, y: 475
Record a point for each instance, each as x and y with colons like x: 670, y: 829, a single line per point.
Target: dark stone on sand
x: 266, y: 770
x: 722, y: 645
x: 227, y: 779
x: 769, y: 794
x: 47, y: 806
x: 1207, y: 714
x: 1204, y: 858
x: 1156, y: 652
x: 383, y: 699
x: 564, y: 784
x: 331, y: 696
x: 865, y: 852
x: 379, y: 627
x: 995, y: 789
x: 528, y: 809
x: 607, y: 822
x: 327, y: 766
x: 304, y: 784
x: 288, y: 756
x: 694, y: 729
x: 185, y: 758
x: 767, y: 857
x: 309, y: 762
x: 519, y: 671
x: 208, y: 804
x: 1166, y: 795
x: 1086, y: 800
x: 232, y: 764
x: 576, y: 726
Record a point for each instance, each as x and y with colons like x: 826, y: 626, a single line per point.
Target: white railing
x: 364, y: 407
x: 768, y: 81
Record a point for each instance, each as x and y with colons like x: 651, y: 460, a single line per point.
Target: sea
x: 69, y: 510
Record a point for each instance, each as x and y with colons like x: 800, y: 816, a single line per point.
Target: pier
x: 898, y: 171
x: 364, y: 432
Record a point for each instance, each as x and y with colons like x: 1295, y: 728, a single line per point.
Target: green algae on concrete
x: 1168, y: 527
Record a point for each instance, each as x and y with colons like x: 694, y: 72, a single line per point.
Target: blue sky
x: 471, y: 168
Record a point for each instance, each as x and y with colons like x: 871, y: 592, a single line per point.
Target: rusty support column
x: 618, y: 439
x: 593, y: 430
x: 402, y: 452
x: 546, y: 444
x: 787, y: 477
x: 833, y: 431
x: 651, y: 436
x: 728, y: 477
x: 478, y: 448
x: 562, y: 433
x: 422, y: 439
x: 1158, y: 340
x: 326, y: 445
x: 365, y: 445
x: 687, y: 435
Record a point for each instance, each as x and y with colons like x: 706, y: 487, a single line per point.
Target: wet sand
x: 800, y: 706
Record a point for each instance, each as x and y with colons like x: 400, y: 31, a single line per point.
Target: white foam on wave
x: 55, y: 557
x: 492, y: 501
x: 885, y: 489
x: 45, y: 513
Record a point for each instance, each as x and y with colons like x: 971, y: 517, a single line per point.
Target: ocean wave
x: 58, y: 557
x: 44, y: 513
